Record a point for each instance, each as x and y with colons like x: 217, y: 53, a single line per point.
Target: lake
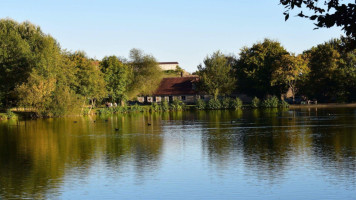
x: 248, y: 154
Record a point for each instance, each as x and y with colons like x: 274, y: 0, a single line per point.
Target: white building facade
x: 168, y: 65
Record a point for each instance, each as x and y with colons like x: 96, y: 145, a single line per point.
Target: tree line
x: 326, y: 72
x: 35, y: 72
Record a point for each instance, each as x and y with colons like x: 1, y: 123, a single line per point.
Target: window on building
x: 202, y: 97
x: 183, y: 98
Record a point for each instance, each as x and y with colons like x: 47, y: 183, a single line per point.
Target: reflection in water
x: 54, y: 157
x: 36, y: 154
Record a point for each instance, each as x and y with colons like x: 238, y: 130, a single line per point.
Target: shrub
x: 283, y: 104
x: 236, y: 103
x: 104, y: 111
x: 155, y: 107
x: 10, y: 114
x: 119, y: 109
x: 226, y: 103
x: 165, y: 105
x: 177, y: 105
x: 214, y: 104
x: 255, y: 102
x: 86, y: 111
x: 136, y: 108
x: 270, y: 102
x: 200, y: 104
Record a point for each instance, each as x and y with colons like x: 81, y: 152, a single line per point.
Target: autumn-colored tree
x: 146, y: 74
x: 289, y: 70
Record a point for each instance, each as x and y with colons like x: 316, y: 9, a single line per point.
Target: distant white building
x: 168, y: 65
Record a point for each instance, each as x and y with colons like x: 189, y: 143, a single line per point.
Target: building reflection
x: 36, y: 157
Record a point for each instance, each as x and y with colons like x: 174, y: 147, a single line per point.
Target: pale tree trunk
x: 92, y: 106
x: 216, y: 93
x: 83, y: 105
x: 292, y: 86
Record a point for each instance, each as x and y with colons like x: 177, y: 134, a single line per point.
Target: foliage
x: 255, y: 102
x: 37, y: 93
x: 178, y: 69
x: 164, y: 105
x: 155, y: 107
x: 289, y: 70
x: 91, y: 83
x: 255, y: 67
x: 105, y: 111
x: 146, y: 74
x: 236, y: 103
x: 216, y: 77
x: 226, y: 103
x: 18, y: 55
x: 118, y: 77
x: 332, y: 72
x: 283, y: 104
x: 200, y: 104
x: 136, y: 108
x: 326, y: 14
x: 214, y: 104
x: 86, y: 111
x: 177, y: 105
x: 10, y: 114
x: 270, y: 102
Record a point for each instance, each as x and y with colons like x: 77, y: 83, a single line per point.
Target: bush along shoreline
x: 177, y: 105
x: 7, y: 115
x: 213, y: 104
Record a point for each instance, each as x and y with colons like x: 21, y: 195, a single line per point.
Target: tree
x: 216, y: 77
x: 16, y: 58
x: 118, y: 77
x: 146, y: 74
x: 255, y: 67
x: 37, y: 93
x: 91, y: 84
x: 332, y: 74
x: 326, y: 14
x: 33, y: 71
x: 289, y: 70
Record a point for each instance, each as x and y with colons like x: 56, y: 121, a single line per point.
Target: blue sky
x: 181, y: 30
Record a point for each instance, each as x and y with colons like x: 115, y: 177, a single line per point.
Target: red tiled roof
x: 177, y: 86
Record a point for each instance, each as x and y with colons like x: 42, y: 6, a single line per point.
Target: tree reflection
x: 36, y: 155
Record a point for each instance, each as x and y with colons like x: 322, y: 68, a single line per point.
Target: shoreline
x: 326, y: 105
x: 27, y: 114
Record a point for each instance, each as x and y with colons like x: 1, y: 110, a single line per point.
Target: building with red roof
x: 181, y: 88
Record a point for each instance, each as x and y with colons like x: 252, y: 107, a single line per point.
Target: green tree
x: 255, y: 67
x: 216, y: 77
x: 33, y: 71
x: 146, y: 74
x: 289, y: 70
x: 91, y: 84
x: 118, y: 77
x: 16, y: 59
x: 332, y: 74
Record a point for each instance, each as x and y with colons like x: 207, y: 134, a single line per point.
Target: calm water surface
x: 250, y: 154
